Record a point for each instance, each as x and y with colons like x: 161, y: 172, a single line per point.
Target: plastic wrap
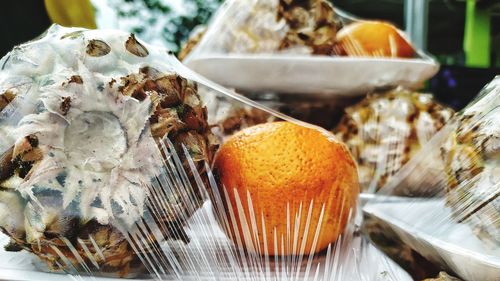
x: 287, y: 46
x: 386, y: 129
x: 444, y: 202
x: 297, y: 27
x: 79, y: 147
x: 115, y: 161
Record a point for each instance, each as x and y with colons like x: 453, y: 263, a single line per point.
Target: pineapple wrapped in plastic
x: 471, y: 156
x: 312, y: 25
x: 79, y: 147
x: 456, y: 223
x: 263, y: 26
x: 384, y: 131
x: 5, y: 99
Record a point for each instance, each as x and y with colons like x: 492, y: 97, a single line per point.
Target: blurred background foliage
x: 163, y: 22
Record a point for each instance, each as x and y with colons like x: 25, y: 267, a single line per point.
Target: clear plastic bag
x: 306, y: 47
x: 386, y: 129
x: 115, y: 161
x: 444, y: 202
x: 299, y: 27
x: 79, y: 146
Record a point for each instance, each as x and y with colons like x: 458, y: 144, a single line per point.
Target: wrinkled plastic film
x: 106, y: 170
x: 289, y: 27
x: 387, y: 129
x: 303, y: 48
x: 448, y: 193
x: 79, y: 150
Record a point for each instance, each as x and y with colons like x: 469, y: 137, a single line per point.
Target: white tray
x: 313, y: 74
x: 425, y: 226
x: 373, y: 264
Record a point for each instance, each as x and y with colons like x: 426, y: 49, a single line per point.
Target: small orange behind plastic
x: 282, y: 165
x: 373, y: 39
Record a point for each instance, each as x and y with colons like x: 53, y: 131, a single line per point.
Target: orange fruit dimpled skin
x: 373, y: 39
x: 282, y: 165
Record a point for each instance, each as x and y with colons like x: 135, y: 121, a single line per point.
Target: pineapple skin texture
x: 57, y: 232
x: 385, y: 130
x: 471, y: 157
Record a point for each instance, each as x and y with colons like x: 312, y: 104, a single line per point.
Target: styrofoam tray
x: 425, y: 225
x: 313, y: 74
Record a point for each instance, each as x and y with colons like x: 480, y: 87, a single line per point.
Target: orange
x: 284, y: 170
x: 373, y: 39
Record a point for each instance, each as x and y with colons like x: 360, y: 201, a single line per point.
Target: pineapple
x: 79, y: 170
x: 471, y: 157
x: 312, y: 25
x: 6, y: 98
x: 384, y: 131
x: 263, y: 26
x: 228, y: 117
x: 193, y: 40
x: 256, y: 29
